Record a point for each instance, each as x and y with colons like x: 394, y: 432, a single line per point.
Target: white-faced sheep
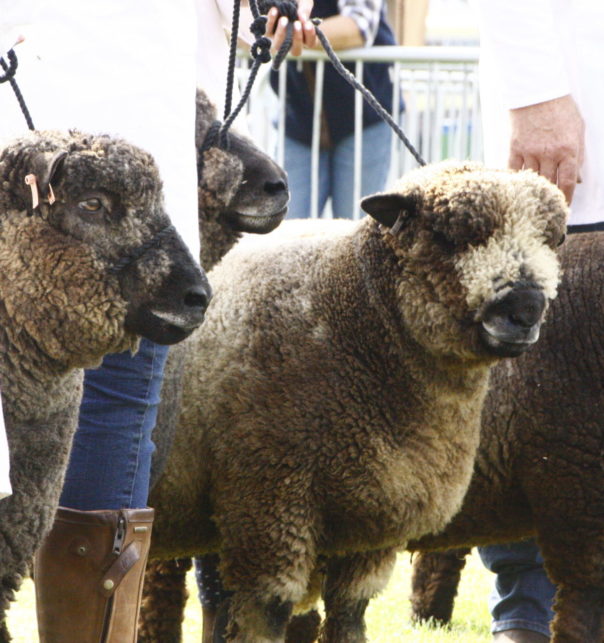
x: 332, y: 397
x: 539, y: 466
x: 83, y: 273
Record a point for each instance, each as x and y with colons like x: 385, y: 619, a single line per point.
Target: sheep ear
x: 49, y: 170
x: 391, y: 209
x: 44, y: 167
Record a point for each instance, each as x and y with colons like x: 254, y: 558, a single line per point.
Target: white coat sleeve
x: 522, y: 42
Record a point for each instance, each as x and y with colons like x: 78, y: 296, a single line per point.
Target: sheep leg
x: 434, y: 584
x: 5, y: 636
x: 579, y: 615
x: 351, y: 581
x: 266, y: 584
x: 163, y: 601
x: 253, y: 620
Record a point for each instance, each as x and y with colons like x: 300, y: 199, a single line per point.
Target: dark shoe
x: 88, y: 575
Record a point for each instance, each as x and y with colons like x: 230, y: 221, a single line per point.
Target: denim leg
x: 374, y: 169
x: 523, y: 594
x: 110, y: 460
x: 296, y: 162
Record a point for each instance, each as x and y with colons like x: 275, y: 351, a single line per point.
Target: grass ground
x: 387, y: 616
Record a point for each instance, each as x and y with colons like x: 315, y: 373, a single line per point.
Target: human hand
x: 304, y: 30
x: 549, y: 138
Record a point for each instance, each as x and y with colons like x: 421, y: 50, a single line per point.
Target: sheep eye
x: 443, y: 241
x: 562, y: 240
x: 90, y: 205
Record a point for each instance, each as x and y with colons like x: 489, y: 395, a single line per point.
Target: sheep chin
x: 179, y: 321
x: 256, y: 223
x: 504, y: 345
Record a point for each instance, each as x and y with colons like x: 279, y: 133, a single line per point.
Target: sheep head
x: 95, y: 263
x: 477, y: 254
x: 240, y: 188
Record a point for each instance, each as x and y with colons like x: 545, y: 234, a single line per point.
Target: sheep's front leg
x: 350, y: 583
x: 268, y: 571
x: 579, y: 615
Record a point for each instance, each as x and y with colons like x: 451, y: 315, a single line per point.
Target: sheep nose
x: 524, y: 306
x: 197, y: 299
x: 275, y: 187
x: 511, y: 324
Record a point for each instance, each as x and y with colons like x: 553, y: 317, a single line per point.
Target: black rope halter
x: 10, y: 69
x: 367, y: 95
x: 217, y: 135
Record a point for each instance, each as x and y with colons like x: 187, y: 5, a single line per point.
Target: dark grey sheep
x: 82, y: 275
x: 241, y: 190
x: 332, y: 397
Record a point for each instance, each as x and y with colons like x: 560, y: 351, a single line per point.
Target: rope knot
x: 287, y: 8
x: 258, y: 27
x: 9, y: 69
x: 261, y: 49
x: 212, y: 137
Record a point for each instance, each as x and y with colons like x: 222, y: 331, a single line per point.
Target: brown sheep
x: 539, y: 466
x: 80, y: 276
x: 332, y: 397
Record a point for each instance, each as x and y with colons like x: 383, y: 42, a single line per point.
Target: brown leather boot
x: 88, y: 575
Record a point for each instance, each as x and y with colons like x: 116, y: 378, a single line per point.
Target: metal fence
x: 441, y: 119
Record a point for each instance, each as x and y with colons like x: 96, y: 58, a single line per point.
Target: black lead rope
x: 10, y: 69
x: 260, y: 52
x: 367, y: 95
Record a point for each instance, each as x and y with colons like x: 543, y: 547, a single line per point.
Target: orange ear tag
x: 30, y: 180
x: 51, y: 195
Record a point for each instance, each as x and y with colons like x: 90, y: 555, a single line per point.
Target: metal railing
x: 442, y: 115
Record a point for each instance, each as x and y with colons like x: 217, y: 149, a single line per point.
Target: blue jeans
x: 110, y: 460
x: 336, y: 172
x: 523, y: 594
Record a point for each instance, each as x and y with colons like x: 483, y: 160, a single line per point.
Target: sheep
x: 84, y: 271
x: 241, y: 189
x: 332, y: 397
x: 539, y: 466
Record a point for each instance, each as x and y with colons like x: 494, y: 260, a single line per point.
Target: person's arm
x: 342, y: 32
x: 355, y: 25
x: 522, y: 44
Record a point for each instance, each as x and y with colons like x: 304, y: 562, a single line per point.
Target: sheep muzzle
x: 511, y: 323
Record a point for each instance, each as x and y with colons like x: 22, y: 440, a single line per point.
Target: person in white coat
x: 542, y: 62
x: 128, y: 68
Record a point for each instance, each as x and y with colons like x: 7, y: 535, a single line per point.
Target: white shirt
x: 142, y: 87
x: 536, y: 50
x: 213, y: 49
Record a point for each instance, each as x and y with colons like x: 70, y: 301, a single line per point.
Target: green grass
x: 387, y: 615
